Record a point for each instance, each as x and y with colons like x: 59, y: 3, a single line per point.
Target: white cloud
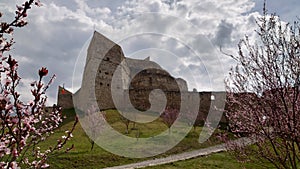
x: 191, y: 30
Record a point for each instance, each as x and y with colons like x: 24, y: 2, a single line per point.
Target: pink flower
x: 14, y: 165
x: 15, y: 153
x: 45, y: 166
x: 43, y: 72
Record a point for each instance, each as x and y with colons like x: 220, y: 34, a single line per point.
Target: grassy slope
x: 82, y: 157
x: 213, y: 161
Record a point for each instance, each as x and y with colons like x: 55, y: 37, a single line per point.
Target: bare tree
x: 93, y: 121
x: 125, y: 121
x: 189, y: 118
x: 169, y: 116
x: 263, y: 93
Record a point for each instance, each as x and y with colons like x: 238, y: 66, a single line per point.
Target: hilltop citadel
x: 133, y: 83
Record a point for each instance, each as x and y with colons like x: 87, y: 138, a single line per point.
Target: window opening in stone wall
x: 212, y: 97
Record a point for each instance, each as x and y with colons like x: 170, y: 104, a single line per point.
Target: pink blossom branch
x: 263, y: 93
x: 24, y: 126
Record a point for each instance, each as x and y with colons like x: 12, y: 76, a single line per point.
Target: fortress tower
x: 136, y: 77
x: 103, y: 58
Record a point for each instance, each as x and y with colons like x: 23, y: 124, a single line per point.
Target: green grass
x: 214, y: 161
x: 83, y: 157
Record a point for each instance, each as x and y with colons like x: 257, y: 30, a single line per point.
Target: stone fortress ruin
x: 112, y: 80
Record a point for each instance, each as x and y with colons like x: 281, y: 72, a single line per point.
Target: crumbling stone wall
x: 103, y: 59
x: 140, y: 100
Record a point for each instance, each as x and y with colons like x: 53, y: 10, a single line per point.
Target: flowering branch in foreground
x: 24, y: 126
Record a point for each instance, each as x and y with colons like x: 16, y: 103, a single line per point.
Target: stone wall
x: 154, y: 79
x: 107, y: 69
x: 209, y: 102
x: 64, y: 98
x: 104, y: 76
x: 103, y: 57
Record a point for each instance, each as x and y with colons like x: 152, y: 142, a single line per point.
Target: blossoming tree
x: 264, y: 94
x: 169, y: 116
x: 24, y: 125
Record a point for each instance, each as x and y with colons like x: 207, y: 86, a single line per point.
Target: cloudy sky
x: 184, y: 37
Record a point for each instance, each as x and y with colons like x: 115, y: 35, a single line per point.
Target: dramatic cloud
x: 182, y: 36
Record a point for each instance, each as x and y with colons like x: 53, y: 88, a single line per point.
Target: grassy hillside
x: 83, y: 157
x: 214, y: 161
